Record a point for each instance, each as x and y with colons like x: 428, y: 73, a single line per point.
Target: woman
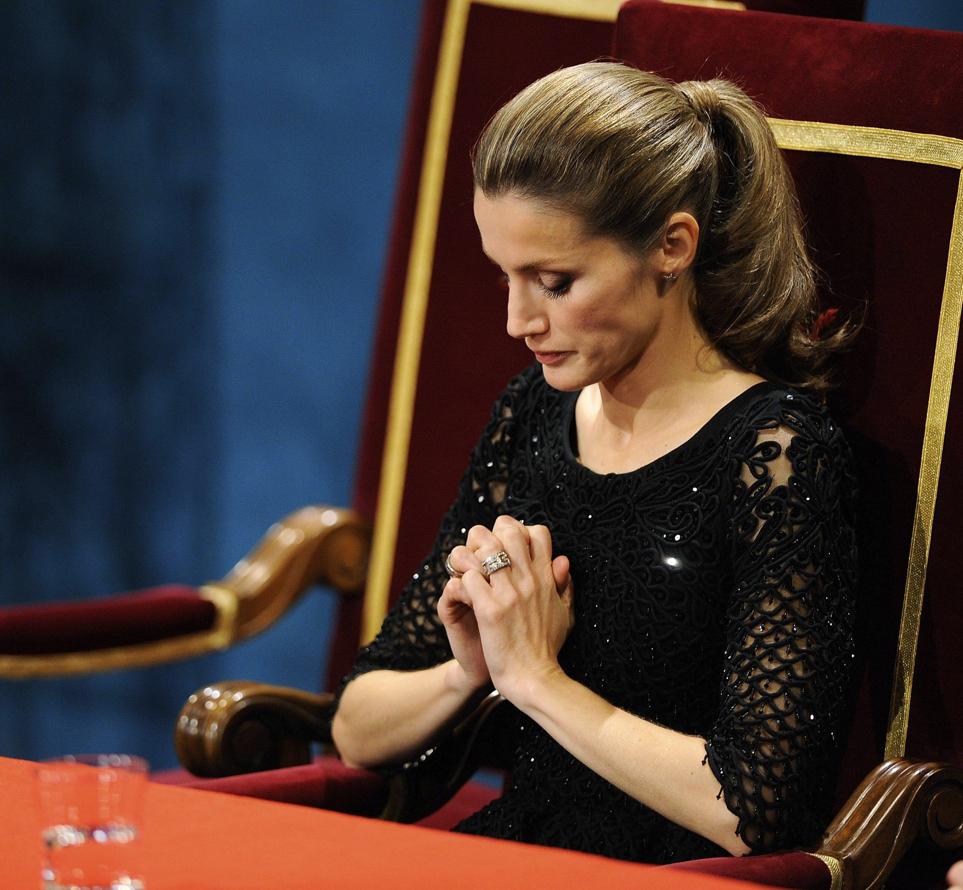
x: 651, y: 554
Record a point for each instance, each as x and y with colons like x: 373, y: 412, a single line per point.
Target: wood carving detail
x: 239, y: 726
x: 898, y: 804
x: 319, y: 544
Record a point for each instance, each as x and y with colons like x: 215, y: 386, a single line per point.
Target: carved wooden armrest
x: 318, y: 544
x: 897, y: 804
x: 483, y: 739
x: 240, y: 726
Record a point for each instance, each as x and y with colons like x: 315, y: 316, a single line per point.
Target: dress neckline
x: 570, y: 439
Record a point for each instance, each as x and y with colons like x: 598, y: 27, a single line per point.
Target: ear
x: 677, y: 250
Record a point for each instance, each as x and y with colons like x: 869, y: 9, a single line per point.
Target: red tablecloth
x: 201, y: 840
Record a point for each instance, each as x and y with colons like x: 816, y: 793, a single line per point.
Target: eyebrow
x: 533, y: 266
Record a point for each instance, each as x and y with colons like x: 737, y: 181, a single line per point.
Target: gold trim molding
x: 943, y: 151
x: 414, y: 306
x: 835, y: 869
x: 590, y: 10
x: 711, y: 4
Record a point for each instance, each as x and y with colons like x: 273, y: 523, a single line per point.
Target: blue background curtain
x: 193, y: 214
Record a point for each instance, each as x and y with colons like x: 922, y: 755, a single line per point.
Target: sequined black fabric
x: 713, y: 594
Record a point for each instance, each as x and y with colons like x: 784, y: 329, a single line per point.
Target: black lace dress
x: 714, y: 594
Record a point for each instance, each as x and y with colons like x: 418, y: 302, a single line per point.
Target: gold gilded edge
x: 591, y: 10
x: 920, y: 148
x: 26, y: 667
x: 414, y: 307
x: 937, y: 412
x: 711, y: 4
x: 835, y: 869
x: 594, y: 10
x: 868, y: 142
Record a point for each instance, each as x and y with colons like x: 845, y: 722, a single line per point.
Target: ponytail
x: 755, y: 284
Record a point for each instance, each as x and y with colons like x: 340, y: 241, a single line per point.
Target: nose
x: 526, y: 318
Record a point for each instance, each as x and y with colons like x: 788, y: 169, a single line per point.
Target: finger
x: 482, y: 539
x: 461, y: 559
x: 453, y: 603
x: 561, y: 568
x: 541, y: 545
x: 506, y: 524
x: 514, y: 540
x: 455, y: 592
x: 476, y: 590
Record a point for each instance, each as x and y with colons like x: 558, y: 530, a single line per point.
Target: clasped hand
x: 507, y: 628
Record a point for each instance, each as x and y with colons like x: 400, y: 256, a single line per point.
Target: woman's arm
x: 659, y: 767
x: 390, y: 716
x: 425, y: 669
x: 523, y: 619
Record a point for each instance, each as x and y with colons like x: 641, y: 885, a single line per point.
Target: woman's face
x: 585, y: 306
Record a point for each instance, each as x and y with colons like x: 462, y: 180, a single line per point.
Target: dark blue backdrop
x: 193, y: 212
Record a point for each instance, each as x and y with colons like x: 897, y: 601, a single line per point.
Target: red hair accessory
x: 823, y: 321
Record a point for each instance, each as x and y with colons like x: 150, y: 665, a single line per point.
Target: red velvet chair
x: 896, y: 383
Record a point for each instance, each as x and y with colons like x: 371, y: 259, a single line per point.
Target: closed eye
x: 556, y: 287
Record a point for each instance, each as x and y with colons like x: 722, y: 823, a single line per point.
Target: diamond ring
x: 495, y: 562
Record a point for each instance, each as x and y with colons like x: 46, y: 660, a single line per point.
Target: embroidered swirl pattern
x: 714, y: 595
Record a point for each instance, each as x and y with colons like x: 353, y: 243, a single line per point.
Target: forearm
x: 390, y: 716
x: 659, y: 767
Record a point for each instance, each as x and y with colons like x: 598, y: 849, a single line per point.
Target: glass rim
x: 130, y: 762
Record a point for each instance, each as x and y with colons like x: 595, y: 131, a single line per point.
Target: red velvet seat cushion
x: 328, y: 784
x: 158, y: 613
x: 799, y: 871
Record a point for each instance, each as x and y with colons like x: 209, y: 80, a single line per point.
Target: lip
x: 550, y: 358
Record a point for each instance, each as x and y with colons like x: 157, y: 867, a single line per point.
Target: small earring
x: 669, y: 277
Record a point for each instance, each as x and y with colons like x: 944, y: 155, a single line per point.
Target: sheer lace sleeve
x: 412, y: 636
x: 789, y: 639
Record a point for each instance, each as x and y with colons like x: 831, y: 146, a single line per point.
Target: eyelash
x: 553, y: 293
x: 557, y: 292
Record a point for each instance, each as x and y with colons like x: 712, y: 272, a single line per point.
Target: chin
x: 564, y: 380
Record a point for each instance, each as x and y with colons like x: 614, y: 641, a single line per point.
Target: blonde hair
x: 623, y: 149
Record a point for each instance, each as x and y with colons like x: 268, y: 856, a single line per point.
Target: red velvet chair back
x: 887, y: 233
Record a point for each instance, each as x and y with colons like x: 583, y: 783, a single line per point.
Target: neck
x: 675, y: 368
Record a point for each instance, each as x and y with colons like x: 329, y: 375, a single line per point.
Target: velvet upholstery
x: 799, y: 871
x: 329, y: 784
x: 326, y: 782
x: 143, y: 616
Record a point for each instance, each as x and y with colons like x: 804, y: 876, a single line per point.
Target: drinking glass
x: 91, y: 808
